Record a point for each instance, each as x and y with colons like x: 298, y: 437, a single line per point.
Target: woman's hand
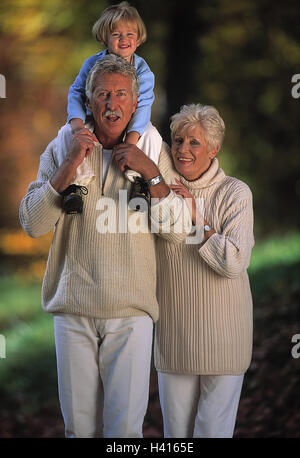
x: 197, y: 218
x: 181, y: 190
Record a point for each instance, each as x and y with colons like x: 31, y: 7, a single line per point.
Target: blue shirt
x: 142, y: 114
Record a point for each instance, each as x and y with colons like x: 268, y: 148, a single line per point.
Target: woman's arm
x: 228, y: 252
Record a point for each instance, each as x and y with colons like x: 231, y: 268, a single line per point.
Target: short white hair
x: 111, y: 64
x: 205, y: 116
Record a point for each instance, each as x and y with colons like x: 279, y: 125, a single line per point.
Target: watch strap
x: 155, y: 180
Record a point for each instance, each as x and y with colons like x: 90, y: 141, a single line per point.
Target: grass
x: 277, y: 250
x: 28, y: 373
x: 19, y: 301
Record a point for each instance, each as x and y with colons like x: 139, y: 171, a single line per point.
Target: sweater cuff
x: 52, y: 190
x: 207, y: 250
x: 219, y: 253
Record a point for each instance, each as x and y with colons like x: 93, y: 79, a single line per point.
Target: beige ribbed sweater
x: 205, y: 324
x: 101, y: 275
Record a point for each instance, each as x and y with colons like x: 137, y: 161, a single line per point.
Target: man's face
x: 112, y: 105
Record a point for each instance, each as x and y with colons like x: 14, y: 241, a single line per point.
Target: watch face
x: 155, y: 180
x: 207, y: 228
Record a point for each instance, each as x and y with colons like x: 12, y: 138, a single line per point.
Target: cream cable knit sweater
x: 89, y: 273
x: 205, y: 324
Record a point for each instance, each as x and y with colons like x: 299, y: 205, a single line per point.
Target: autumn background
x: 238, y: 55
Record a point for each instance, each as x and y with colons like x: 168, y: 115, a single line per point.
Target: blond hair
x: 205, y: 116
x: 116, y: 13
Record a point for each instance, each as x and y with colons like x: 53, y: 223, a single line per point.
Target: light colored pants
x: 199, y: 405
x: 103, y: 374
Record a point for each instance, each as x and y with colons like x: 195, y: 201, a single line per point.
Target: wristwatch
x: 154, y: 180
x: 206, y: 228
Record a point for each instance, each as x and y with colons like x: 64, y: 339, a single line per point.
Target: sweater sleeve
x: 76, y: 96
x: 142, y: 114
x: 40, y: 208
x: 228, y: 253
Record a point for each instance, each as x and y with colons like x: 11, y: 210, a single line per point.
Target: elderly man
x: 99, y: 286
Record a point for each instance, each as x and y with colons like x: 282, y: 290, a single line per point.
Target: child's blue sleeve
x: 142, y: 114
x: 76, y: 96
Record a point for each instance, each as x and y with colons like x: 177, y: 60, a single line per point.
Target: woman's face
x: 190, y: 153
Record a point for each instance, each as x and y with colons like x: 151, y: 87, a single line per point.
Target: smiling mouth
x: 184, y: 159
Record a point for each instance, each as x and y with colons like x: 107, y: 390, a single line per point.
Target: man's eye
x: 102, y: 95
x: 121, y: 94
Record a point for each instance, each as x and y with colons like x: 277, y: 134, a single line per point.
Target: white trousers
x: 103, y: 374
x: 199, y: 405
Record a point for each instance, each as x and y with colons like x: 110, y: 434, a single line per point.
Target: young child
x: 122, y: 30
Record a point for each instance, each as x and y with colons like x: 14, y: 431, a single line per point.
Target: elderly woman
x: 203, y: 339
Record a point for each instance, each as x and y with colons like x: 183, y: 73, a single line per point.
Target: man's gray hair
x: 205, y: 116
x: 111, y: 64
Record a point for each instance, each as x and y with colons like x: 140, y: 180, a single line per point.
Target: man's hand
x: 127, y: 155
x: 130, y: 156
x: 81, y: 146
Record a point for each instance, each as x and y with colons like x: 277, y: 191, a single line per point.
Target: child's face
x: 123, y: 40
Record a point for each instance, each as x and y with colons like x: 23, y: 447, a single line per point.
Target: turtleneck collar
x: 213, y: 175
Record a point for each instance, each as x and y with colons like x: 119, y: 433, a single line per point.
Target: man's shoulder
x: 64, y: 134
x: 59, y: 145
x: 165, y: 150
x: 166, y: 165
